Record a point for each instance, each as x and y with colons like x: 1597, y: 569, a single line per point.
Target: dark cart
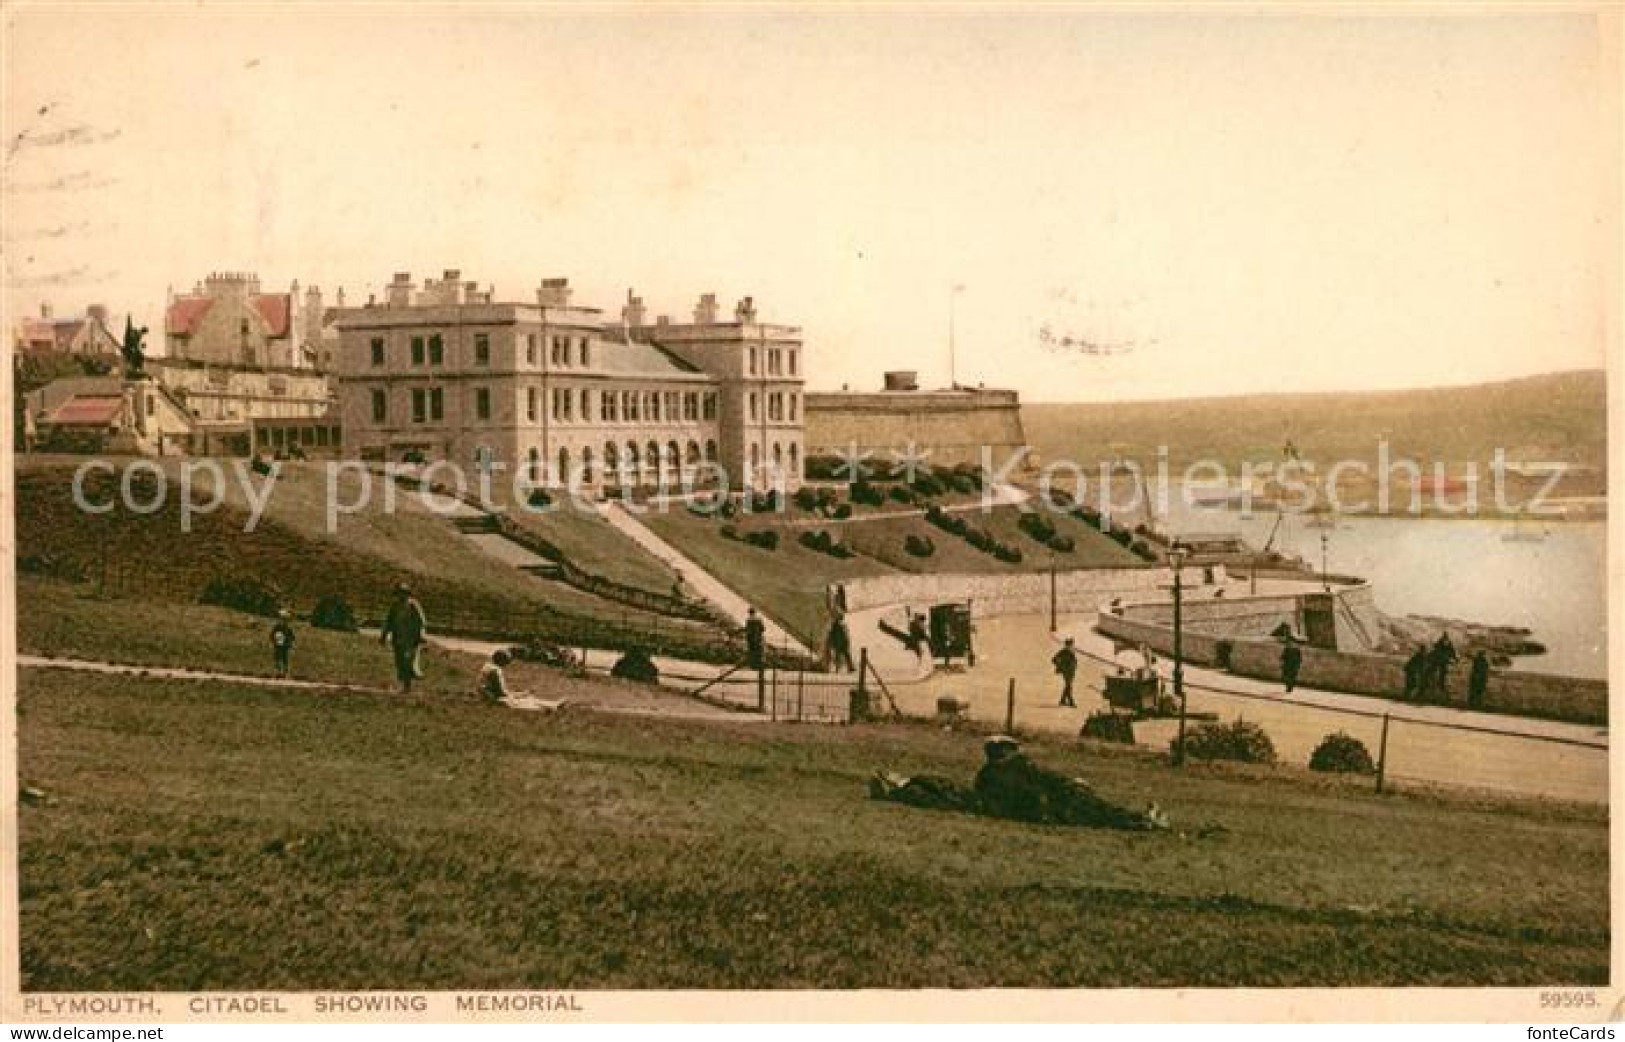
x: 1134, y: 692
x: 951, y: 633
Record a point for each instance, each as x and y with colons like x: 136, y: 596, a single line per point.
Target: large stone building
x: 945, y: 427
x: 234, y: 356
x: 552, y: 388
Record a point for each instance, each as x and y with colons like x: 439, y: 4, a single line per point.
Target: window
x: 673, y: 405
x: 793, y: 397
x: 417, y: 350
x: 530, y: 348
x: 569, y: 398
x: 691, y: 406
x: 711, y: 451
x: 377, y: 350
x: 278, y: 384
x: 535, y: 466
x: 586, y: 354
x: 243, y: 327
x: 482, y: 403
x: 420, y: 405
x: 631, y: 404
x: 710, y: 406
x: 437, y: 350
x: 775, y: 361
x: 792, y: 362
x: 437, y: 404
x: 753, y: 409
x: 554, y: 409
x: 606, y: 406
x: 753, y: 361
x: 530, y: 404
x: 482, y: 348
x: 653, y: 402
x: 553, y: 350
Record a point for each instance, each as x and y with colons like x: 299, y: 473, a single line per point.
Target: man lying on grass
x: 1010, y: 785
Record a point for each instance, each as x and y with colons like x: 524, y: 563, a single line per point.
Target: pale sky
x: 1283, y: 203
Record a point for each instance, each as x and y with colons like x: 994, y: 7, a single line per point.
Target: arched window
x: 711, y: 451
x: 778, y: 456
x: 795, y: 456
x: 651, y: 457
x: 692, y: 454
x: 564, y: 465
x: 632, y: 455
x: 535, y: 466
x: 673, y: 455
x: 612, y: 455
x: 755, y: 455
x: 586, y: 465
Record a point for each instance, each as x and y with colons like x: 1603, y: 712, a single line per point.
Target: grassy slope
x: 593, y: 544
x: 200, y: 836
x: 57, y: 620
x: 1560, y: 416
x: 362, y: 558
x: 789, y: 583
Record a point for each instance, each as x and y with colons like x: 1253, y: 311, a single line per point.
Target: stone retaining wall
x: 990, y: 595
x: 1573, y: 699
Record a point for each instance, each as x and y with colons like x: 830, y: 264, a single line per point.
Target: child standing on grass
x: 282, y: 642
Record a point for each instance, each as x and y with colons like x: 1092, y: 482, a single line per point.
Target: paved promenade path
x: 671, y: 707
x: 696, y: 579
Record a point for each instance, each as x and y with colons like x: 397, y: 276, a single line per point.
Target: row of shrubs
x: 838, y: 468
x: 246, y: 594
x: 1042, y: 530
x: 980, y: 538
x: 761, y: 538
x: 1241, y: 741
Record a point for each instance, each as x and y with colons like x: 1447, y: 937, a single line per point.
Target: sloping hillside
x: 1553, y: 417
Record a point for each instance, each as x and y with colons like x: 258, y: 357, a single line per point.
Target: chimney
x: 45, y: 309
x: 663, y: 320
x: 745, y: 311
x: 338, y: 298
x: 98, y: 314
x: 553, y: 293
x: 633, y: 314
x: 705, y: 312
x: 400, y: 290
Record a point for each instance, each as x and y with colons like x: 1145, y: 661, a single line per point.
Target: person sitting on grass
x: 636, y: 665
x: 493, y: 684
x: 282, y: 643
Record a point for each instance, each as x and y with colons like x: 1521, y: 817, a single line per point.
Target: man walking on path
x: 755, y: 636
x: 404, y: 629
x: 1291, y: 662
x: 1478, y: 680
x: 282, y: 643
x: 1065, y: 662
x: 839, y: 646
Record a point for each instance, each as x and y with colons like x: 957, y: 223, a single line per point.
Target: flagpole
x: 953, y: 295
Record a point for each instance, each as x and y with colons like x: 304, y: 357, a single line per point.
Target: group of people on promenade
x: 1427, y: 673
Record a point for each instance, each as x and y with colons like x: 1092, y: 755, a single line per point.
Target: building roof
x: 87, y: 410
x: 43, y: 334
x: 186, y: 312
x: 619, y: 356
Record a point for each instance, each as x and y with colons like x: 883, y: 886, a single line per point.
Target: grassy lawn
x: 362, y: 558
x: 63, y: 621
x: 593, y: 544
x: 788, y: 583
x: 201, y: 836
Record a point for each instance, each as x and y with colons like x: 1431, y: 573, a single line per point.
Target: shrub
x: 841, y: 512
x: 1242, y: 741
x: 807, y: 498
x: 864, y: 493
x: 1119, y: 535
x: 1109, y: 727
x: 1037, y: 526
x: 900, y: 494
x: 241, y: 593
x: 1007, y: 554
x: 1142, y: 550
x: 539, y: 499
x: 928, y: 486
x: 919, y: 546
x: 824, y: 468
x: 842, y: 551
x: 729, y: 532
x: 333, y: 612
x: 766, y: 539
x: 816, y: 540
x: 934, y: 515
x: 980, y: 538
x: 1062, y: 544
x: 1342, y: 753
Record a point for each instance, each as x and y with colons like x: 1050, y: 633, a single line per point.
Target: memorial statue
x: 134, y: 350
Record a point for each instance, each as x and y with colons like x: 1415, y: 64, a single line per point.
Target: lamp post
x: 1325, y: 577
x: 1053, y: 599
x: 1176, y: 561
